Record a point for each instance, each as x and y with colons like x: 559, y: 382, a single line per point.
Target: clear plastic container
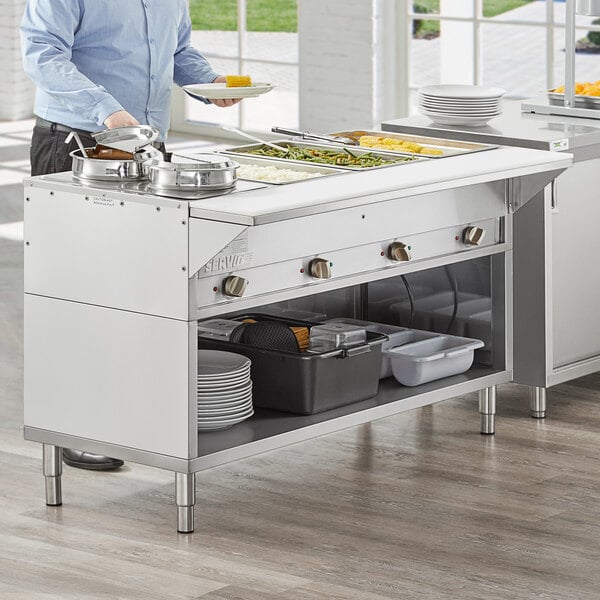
x: 219, y: 329
x: 332, y: 335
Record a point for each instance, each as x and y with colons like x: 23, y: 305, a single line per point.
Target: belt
x: 39, y: 122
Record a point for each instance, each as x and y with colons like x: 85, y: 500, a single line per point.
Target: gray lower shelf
x: 268, y: 429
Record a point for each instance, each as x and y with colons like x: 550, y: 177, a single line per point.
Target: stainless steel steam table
x: 556, y: 247
x: 116, y: 279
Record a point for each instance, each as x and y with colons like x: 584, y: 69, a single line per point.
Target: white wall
x: 341, y: 63
x: 17, y: 91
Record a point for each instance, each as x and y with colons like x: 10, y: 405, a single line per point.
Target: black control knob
x: 473, y: 236
x: 234, y: 286
x: 398, y: 251
x: 320, y: 268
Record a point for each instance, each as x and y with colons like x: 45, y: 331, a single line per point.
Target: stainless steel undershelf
x: 269, y: 430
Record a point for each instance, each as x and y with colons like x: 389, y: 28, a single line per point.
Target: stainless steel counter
x: 513, y: 128
x: 557, y: 282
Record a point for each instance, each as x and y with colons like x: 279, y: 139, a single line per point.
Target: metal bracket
x: 520, y: 190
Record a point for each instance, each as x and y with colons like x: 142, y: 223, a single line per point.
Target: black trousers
x: 50, y: 154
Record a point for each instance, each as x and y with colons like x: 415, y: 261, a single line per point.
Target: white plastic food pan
x: 426, y: 360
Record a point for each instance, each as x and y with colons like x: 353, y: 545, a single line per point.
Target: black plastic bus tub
x: 308, y: 383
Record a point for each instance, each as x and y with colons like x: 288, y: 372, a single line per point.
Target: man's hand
x: 226, y: 101
x: 121, y: 118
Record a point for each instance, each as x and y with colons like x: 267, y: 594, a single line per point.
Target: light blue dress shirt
x: 91, y: 58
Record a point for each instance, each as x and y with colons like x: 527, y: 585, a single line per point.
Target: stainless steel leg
x: 52, y: 474
x: 537, y: 402
x: 487, y: 410
x: 185, y: 497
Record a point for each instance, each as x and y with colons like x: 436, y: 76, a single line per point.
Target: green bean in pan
x: 345, y: 158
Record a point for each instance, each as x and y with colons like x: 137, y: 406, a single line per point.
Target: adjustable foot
x: 487, y: 410
x: 185, y: 498
x: 537, y: 402
x: 52, y: 474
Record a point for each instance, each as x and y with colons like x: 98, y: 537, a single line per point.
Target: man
x: 101, y: 64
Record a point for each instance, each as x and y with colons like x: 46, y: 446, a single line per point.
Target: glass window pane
x: 272, y: 15
x: 425, y: 58
x: 213, y: 44
x: 515, y: 10
x: 279, y: 107
x: 426, y: 6
x: 516, y: 62
x: 214, y: 15
x: 587, y: 66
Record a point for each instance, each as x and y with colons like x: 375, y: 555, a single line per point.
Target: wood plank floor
x: 418, y: 506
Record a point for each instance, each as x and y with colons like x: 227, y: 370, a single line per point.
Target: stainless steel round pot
x: 106, y: 170
x: 202, y: 172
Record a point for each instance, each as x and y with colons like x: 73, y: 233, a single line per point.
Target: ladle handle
x: 75, y: 135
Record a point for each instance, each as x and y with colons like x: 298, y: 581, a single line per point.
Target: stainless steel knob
x: 320, y: 268
x: 234, y: 286
x: 398, y: 251
x: 473, y: 236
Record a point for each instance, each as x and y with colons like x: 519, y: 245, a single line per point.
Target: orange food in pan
x: 582, y: 89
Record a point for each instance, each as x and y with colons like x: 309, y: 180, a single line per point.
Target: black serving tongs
x: 336, y: 139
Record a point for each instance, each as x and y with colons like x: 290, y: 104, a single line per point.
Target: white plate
x: 216, y: 426
x: 209, y: 397
x: 225, y: 376
x: 225, y: 413
x: 447, y: 120
x: 459, y: 104
x: 205, y: 422
x: 223, y: 386
x: 462, y: 91
x: 463, y: 113
x: 446, y: 106
x: 461, y: 100
x: 220, y: 91
x: 225, y: 405
x: 215, y: 363
x: 245, y: 374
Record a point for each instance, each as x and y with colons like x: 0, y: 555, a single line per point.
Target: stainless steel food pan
x: 394, y: 156
x: 291, y: 165
x: 187, y: 176
x: 448, y: 147
x: 96, y: 169
x: 580, y: 101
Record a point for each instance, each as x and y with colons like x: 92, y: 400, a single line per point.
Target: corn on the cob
x: 399, y: 145
x: 238, y: 80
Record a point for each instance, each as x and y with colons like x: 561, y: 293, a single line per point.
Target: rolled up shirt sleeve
x: 190, y: 66
x: 47, y: 35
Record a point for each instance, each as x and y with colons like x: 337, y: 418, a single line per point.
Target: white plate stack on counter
x: 224, y: 389
x: 471, y: 105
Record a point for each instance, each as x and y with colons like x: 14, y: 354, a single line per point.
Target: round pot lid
x: 194, y: 162
x: 203, y: 160
x: 128, y: 139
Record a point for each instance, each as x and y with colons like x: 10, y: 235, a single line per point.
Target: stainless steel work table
x: 556, y: 245
x: 116, y: 279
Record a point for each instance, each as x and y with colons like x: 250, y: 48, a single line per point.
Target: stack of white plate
x: 472, y: 105
x: 224, y: 389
